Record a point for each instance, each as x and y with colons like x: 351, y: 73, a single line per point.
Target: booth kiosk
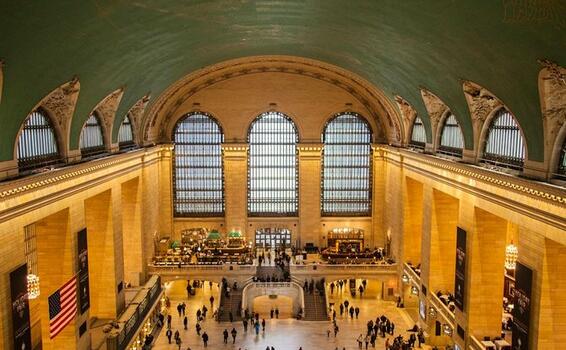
x: 214, y: 240
x: 346, y: 240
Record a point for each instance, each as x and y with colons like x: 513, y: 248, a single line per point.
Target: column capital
x: 235, y: 150
x: 310, y: 150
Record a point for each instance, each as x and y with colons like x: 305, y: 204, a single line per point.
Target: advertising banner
x: 21, y: 329
x: 460, y: 282
x: 83, y: 292
x: 522, y: 309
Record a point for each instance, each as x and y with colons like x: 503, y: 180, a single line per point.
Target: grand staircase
x: 232, y: 303
x: 265, y: 272
x: 315, y: 307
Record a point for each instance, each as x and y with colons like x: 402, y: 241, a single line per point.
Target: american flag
x: 62, y: 307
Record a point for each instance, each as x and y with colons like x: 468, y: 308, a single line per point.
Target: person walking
x: 169, y: 333
x: 351, y: 312
x: 367, y: 340
x: 245, y: 322
x: 263, y: 325
x: 211, y: 301
x: 225, y: 333
x: 198, y: 328
x: 276, y: 312
x: 357, y: 311
x: 231, y: 317
x: 271, y: 313
x: 185, y: 322
x: 360, y: 341
x: 178, y: 341
x: 256, y: 326
x: 234, y: 333
x: 169, y: 321
x: 332, y: 288
x: 205, y: 339
x: 341, y: 309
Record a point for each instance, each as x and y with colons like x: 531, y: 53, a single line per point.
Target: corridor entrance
x: 265, y: 303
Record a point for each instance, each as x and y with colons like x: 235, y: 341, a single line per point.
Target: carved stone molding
x: 382, y: 109
x: 480, y: 101
x: 136, y: 113
x: 408, y: 113
x: 434, y: 106
x: 60, y: 104
x: 107, y: 108
x: 552, y: 82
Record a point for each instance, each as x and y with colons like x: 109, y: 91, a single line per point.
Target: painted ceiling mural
x: 400, y: 46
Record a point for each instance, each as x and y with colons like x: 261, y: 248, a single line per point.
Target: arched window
x: 272, y: 166
x: 418, y: 133
x: 92, y: 141
x: 562, y: 162
x: 346, y: 166
x: 37, y: 143
x: 198, y: 179
x: 504, y: 144
x: 451, y: 139
x: 126, y: 134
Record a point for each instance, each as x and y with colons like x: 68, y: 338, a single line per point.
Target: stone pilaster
x: 310, y: 193
x: 236, y: 186
x: 134, y: 254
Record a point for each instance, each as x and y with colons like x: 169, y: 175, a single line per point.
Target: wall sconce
x: 447, y: 329
x: 432, y: 311
x: 33, y: 286
x: 405, y: 278
x: 414, y: 290
x: 511, y: 255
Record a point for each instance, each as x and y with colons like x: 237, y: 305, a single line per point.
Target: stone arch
x: 556, y: 149
x: 106, y: 110
x: 436, y: 110
x: 136, y: 114
x: 552, y: 92
x: 409, y: 114
x: 165, y: 107
x: 485, y: 131
x: 482, y: 104
x: 59, y: 105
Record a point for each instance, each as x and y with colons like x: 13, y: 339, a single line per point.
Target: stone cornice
x: 36, y: 182
x: 541, y: 191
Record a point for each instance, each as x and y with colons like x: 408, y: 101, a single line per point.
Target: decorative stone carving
x: 553, y: 94
x: 408, y: 113
x: 61, y: 102
x: 480, y: 101
x: 434, y: 106
x: 162, y: 109
x: 107, y: 108
x: 136, y: 113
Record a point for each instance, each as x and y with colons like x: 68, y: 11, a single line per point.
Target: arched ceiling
x: 400, y: 46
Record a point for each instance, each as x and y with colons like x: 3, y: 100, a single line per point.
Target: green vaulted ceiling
x: 399, y: 45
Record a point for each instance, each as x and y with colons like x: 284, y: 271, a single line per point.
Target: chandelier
x: 511, y: 255
x: 33, y: 286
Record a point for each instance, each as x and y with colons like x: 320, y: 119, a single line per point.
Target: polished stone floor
x: 282, y: 334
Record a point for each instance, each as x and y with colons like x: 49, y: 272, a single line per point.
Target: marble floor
x: 282, y: 334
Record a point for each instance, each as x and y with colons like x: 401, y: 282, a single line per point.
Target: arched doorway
x: 263, y: 305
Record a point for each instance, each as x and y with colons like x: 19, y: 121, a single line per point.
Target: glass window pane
x: 272, y: 166
x: 451, y: 138
x: 504, y: 145
x: 198, y: 177
x: 37, y: 144
x: 346, y: 167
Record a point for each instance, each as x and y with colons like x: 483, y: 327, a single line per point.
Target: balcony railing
x: 443, y: 310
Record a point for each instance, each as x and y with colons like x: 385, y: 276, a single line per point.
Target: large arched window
x: 451, y: 139
x: 198, y: 179
x: 37, y: 143
x: 126, y: 134
x: 418, y: 133
x: 346, y: 167
x: 92, y: 141
x: 272, y: 166
x: 504, y: 144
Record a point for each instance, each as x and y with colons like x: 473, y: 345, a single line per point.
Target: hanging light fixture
x: 511, y: 255
x: 33, y: 286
